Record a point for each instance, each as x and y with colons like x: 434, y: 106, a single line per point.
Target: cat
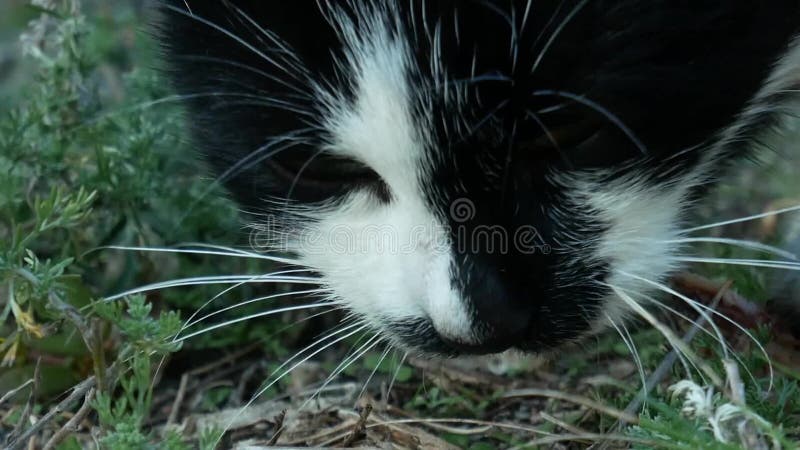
x: 466, y: 177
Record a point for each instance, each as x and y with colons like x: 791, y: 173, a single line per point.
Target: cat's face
x: 472, y: 176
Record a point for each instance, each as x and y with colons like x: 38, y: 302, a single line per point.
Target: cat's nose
x: 501, y: 320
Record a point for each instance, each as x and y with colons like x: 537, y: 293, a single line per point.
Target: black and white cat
x: 472, y: 176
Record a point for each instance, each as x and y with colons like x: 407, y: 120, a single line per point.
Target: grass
x: 89, y: 161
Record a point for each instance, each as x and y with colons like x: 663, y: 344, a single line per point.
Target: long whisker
x: 374, y: 371
x: 240, y: 251
x: 189, y: 322
x: 688, y: 360
x: 359, y: 326
x: 627, y: 339
x: 269, y: 102
x: 464, y: 82
x: 688, y: 319
x: 347, y: 362
x: 251, y: 301
x: 697, y: 306
x: 673, y: 339
x: 394, y: 377
x: 683, y: 316
x: 261, y: 154
x: 525, y: 16
x: 549, y: 136
x: 254, y: 316
x: 223, y: 279
x: 556, y: 32
x: 743, y: 219
x: 472, y: 129
x: 752, y: 245
x: 784, y: 265
x: 296, y: 63
x: 275, y: 333
x: 691, y: 303
x: 597, y: 107
x: 236, y: 38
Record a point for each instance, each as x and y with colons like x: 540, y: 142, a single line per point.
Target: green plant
x: 84, y: 159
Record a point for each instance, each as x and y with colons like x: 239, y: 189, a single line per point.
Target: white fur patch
x: 643, y: 223
x: 384, y: 260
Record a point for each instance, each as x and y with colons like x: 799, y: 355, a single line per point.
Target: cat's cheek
x: 387, y: 264
x: 641, y: 241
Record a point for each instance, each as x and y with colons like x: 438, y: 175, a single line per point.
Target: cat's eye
x: 311, y: 175
x: 559, y: 142
x: 567, y: 136
x: 584, y: 144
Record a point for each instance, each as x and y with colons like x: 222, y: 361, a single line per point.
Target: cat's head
x: 472, y: 176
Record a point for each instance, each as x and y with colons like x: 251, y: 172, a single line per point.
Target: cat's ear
x: 246, y: 70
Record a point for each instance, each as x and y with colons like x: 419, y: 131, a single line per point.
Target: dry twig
x: 360, y: 426
x: 176, y: 404
x: 278, y: 428
x: 78, y: 391
x: 72, y: 424
x: 25, y: 416
x: 576, y: 399
x: 10, y: 394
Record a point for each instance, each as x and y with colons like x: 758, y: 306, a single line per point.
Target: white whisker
x: 296, y: 62
x: 279, y: 259
x: 269, y: 150
x: 223, y: 279
x: 345, y: 328
x: 394, y: 377
x: 628, y: 340
x: 271, y: 312
x: 701, y: 308
x: 300, y: 172
x: 347, y: 362
x: 360, y: 327
x: 688, y: 319
x: 236, y: 38
x: 742, y: 219
x: 752, y: 245
x: 785, y: 265
x: 273, y: 147
x: 671, y: 337
x: 229, y: 289
x: 374, y: 370
x: 251, y: 301
x: 691, y: 303
x: 556, y: 32
x: 214, y: 251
